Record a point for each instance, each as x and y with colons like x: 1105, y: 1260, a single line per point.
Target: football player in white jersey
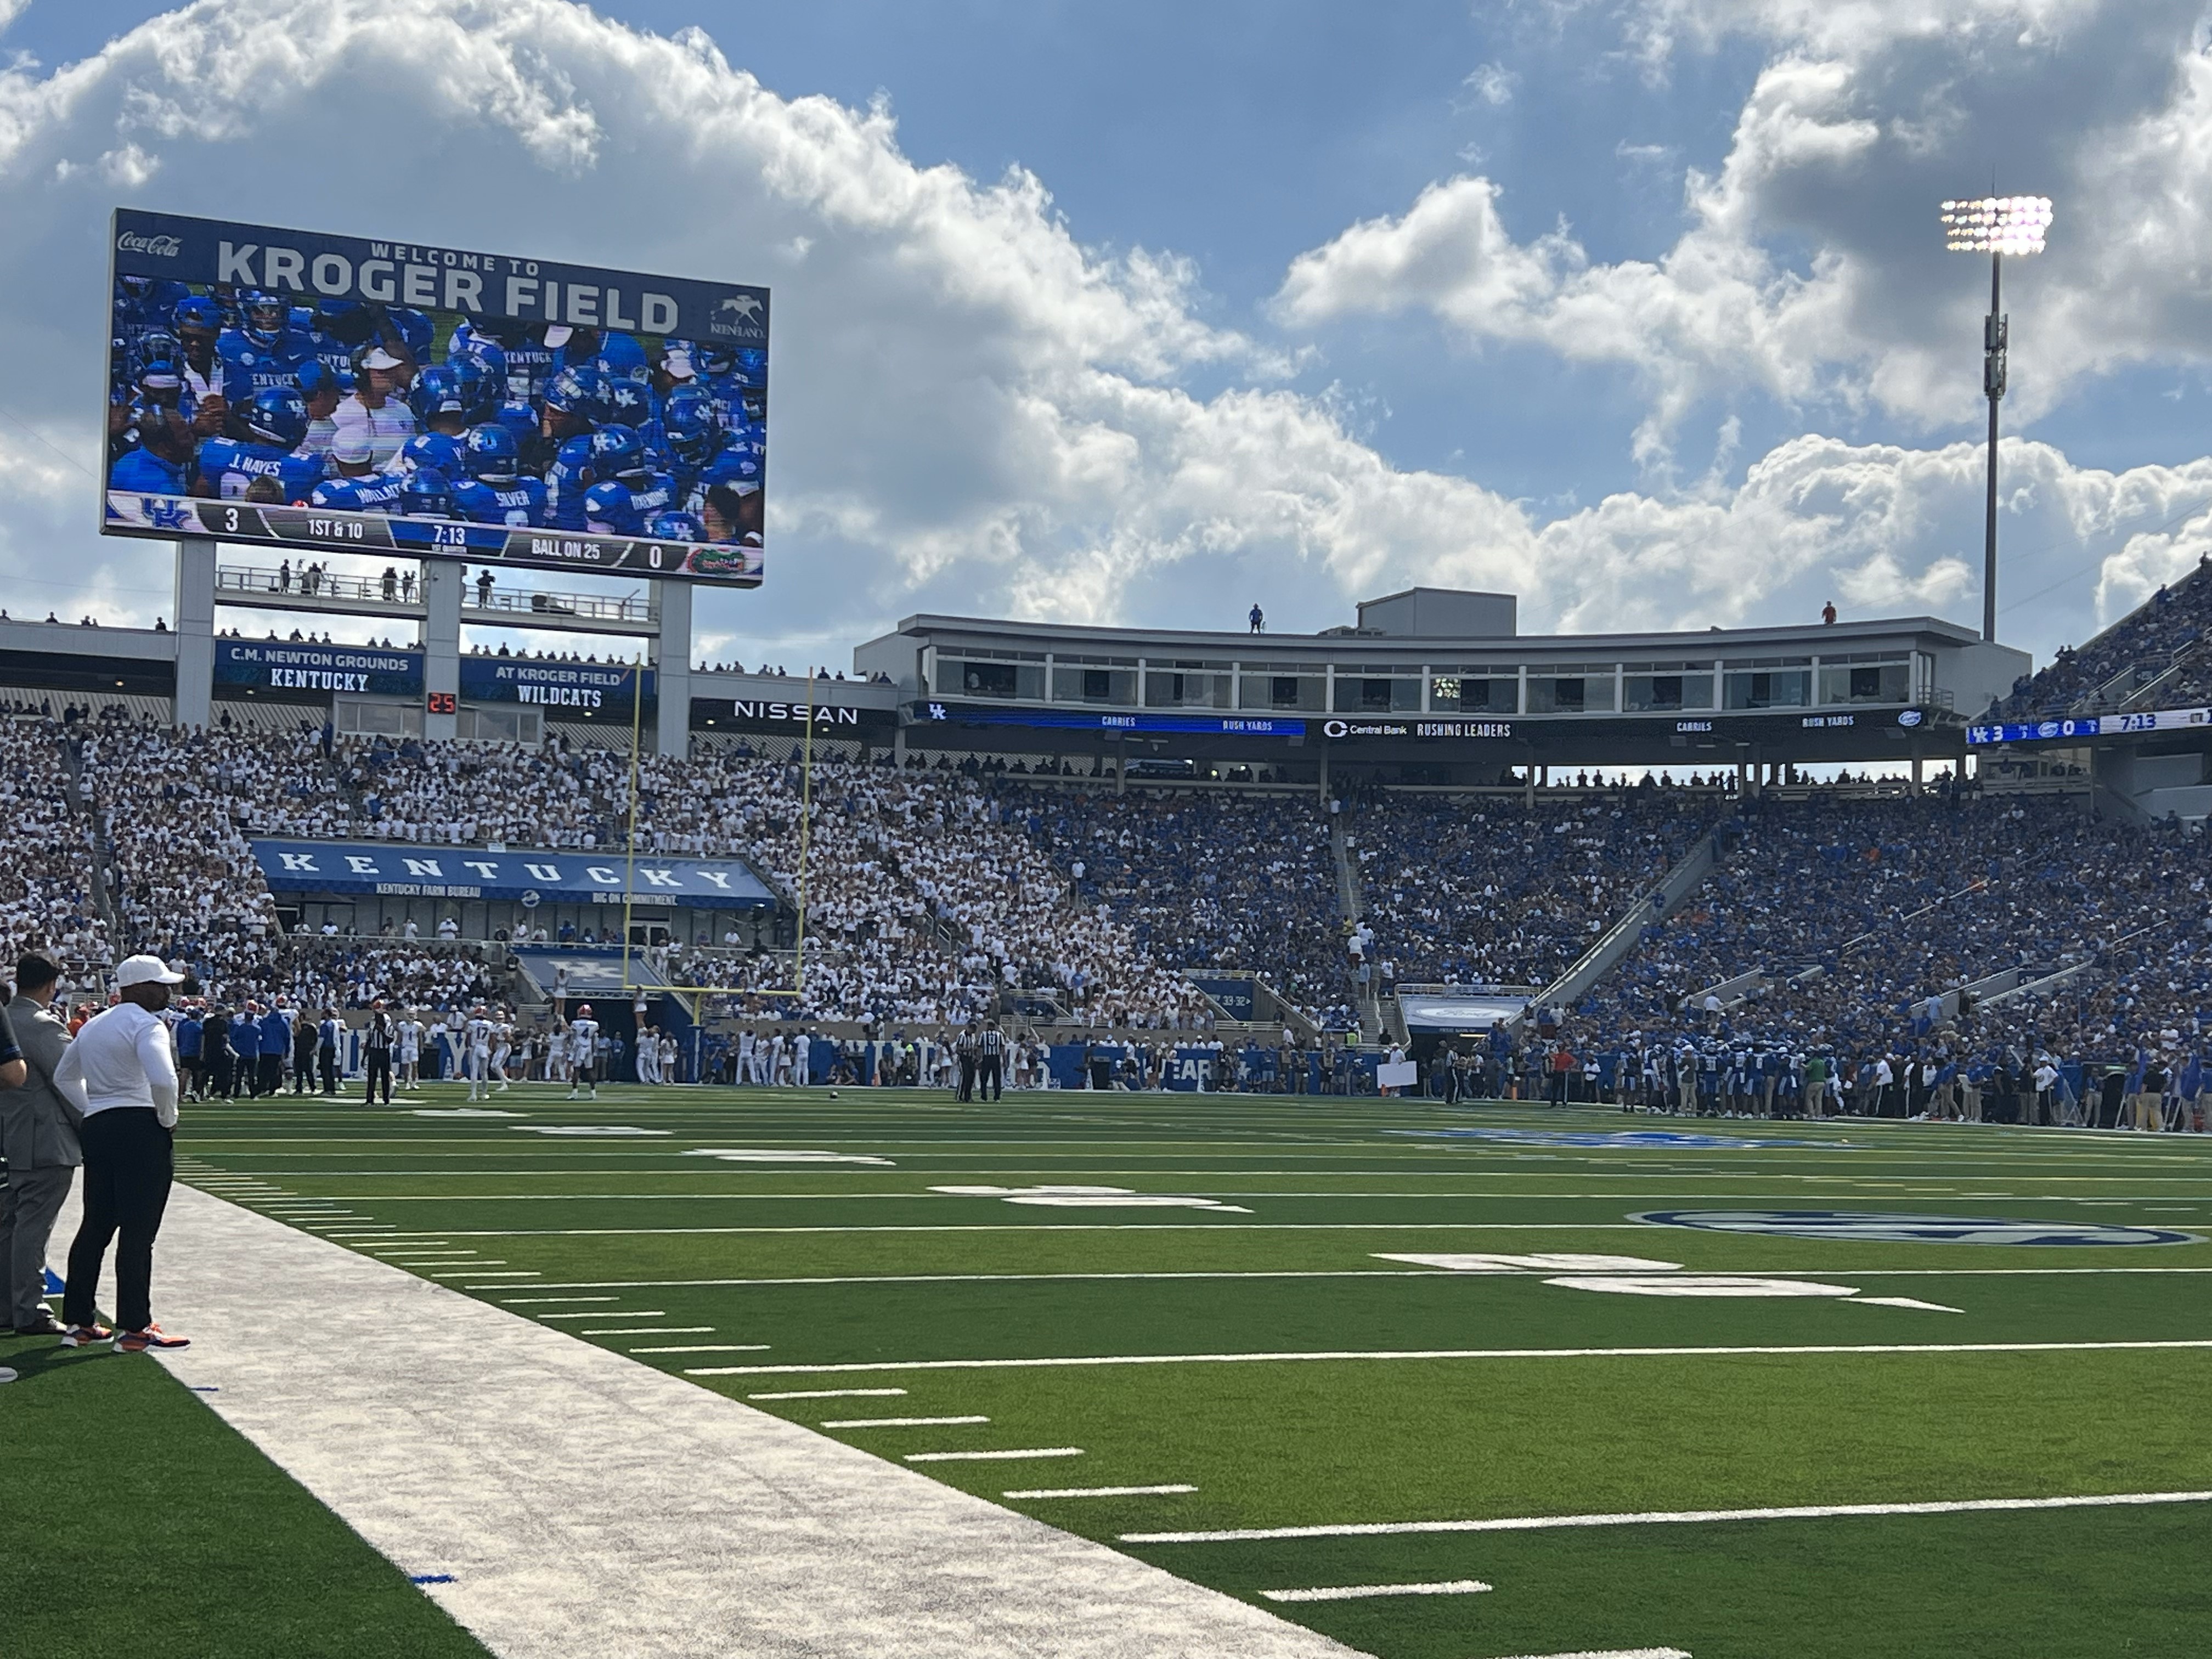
x: 584, y: 1053
x: 476, y: 1062
x: 502, y: 1045
x: 410, y: 1050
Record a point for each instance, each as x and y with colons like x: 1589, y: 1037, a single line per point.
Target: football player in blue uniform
x: 144, y: 303
x: 437, y: 452
x: 612, y: 352
x: 688, y: 437
x: 482, y: 364
x: 609, y: 510
x: 425, y: 493
x: 439, y: 400
x: 494, y: 489
x: 574, y: 406
x: 155, y: 465
x: 274, y: 424
x: 528, y: 359
x: 618, y: 452
x: 355, y: 484
x: 262, y: 352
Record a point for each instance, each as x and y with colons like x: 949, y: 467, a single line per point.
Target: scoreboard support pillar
x: 442, y: 588
x: 673, y: 646
x: 193, y: 704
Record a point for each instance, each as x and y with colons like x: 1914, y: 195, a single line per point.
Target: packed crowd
x: 2127, y: 658
x: 1203, y: 882
x: 1499, y: 893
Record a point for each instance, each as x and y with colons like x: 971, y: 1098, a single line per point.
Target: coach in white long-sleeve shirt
x: 122, y: 1076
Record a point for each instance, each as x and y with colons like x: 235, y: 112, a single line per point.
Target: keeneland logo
x: 166, y: 247
x: 743, y: 307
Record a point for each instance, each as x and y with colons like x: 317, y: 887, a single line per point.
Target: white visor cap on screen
x: 145, y: 970
x: 352, y: 447
x: 558, y: 336
x: 378, y: 357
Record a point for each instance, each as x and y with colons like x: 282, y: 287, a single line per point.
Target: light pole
x: 1996, y: 226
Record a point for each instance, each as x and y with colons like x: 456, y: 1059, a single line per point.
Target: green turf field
x: 1389, y: 1392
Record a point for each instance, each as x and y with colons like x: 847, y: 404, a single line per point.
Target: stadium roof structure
x: 1408, y: 688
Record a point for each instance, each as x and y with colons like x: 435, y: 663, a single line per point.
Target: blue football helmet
x: 491, y: 452
x: 426, y: 495
x: 688, y: 418
x: 197, y: 314
x: 433, y: 452
x: 577, y: 391
x: 714, y: 359
x: 609, y: 504
x: 266, y: 315
x: 277, y: 417
x: 483, y: 360
x: 415, y: 327
x: 629, y: 401
x: 617, y: 452
x: 437, y: 390
x: 675, y: 527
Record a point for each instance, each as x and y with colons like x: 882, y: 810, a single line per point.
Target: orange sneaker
x: 152, y: 1337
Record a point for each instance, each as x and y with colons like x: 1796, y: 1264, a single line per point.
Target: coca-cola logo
x: 166, y: 247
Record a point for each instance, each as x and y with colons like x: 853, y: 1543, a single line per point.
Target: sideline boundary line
x: 1441, y: 1353
x: 1667, y: 1517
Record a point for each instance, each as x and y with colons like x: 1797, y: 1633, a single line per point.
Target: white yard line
x: 1007, y: 1456
x: 1437, y: 1353
x: 1361, y: 1592
x: 708, y: 1347
x: 1666, y: 1517
x: 897, y: 1422
x: 647, y: 1330
x: 572, y: 1502
x: 1613, y: 1653
x: 831, y: 1393
x: 1094, y: 1492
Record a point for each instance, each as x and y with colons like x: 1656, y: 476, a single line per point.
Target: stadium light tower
x: 1996, y: 226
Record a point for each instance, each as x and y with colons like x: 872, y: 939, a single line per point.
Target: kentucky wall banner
x: 468, y: 872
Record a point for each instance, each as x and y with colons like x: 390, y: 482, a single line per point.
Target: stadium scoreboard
x: 341, y: 394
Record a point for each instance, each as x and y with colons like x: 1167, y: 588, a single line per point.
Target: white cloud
x: 1810, y: 270
x: 1493, y: 83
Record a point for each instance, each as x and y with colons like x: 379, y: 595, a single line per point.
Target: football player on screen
x: 262, y: 351
x: 426, y: 495
x: 355, y: 485
x: 440, y: 400
x: 145, y: 303
x: 273, y: 424
x: 528, y: 360
x: 575, y: 406
x: 609, y: 510
x: 619, y: 454
x: 198, y: 324
x: 494, y: 487
x: 157, y: 465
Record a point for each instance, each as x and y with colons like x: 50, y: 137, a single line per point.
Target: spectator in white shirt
x: 120, y: 1074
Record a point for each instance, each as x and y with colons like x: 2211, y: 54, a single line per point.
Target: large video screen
x: 338, y: 394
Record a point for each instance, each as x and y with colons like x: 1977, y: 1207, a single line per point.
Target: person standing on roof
x: 120, y: 1075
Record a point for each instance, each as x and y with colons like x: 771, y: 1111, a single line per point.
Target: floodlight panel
x: 1996, y: 224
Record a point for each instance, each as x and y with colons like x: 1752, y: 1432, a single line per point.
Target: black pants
x: 379, y: 1065
x: 329, y: 1057
x: 219, y: 1074
x: 246, y: 1076
x: 128, y: 1156
x: 989, y: 1071
x: 303, y: 1070
x: 272, y: 1075
x: 967, y: 1077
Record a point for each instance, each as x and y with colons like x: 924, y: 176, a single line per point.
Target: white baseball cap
x: 352, y: 445
x: 145, y: 971
x: 559, y: 335
x: 378, y: 357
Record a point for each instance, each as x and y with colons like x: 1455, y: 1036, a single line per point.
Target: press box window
x: 1489, y: 692
x: 1361, y: 694
x: 1259, y: 688
x: 1887, y: 681
x: 1574, y: 691
x: 1789, y: 688
x: 1666, y: 687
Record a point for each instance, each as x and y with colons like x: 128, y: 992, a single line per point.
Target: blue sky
x: 1634, y: 306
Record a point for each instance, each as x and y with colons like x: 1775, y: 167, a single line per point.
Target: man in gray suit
x: 38, y: 1134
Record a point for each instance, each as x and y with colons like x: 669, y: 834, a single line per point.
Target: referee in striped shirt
x: 120, y: 1074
